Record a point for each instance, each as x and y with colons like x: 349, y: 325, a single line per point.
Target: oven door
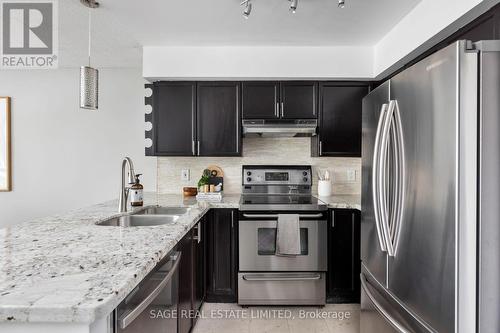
x: 257, y: 244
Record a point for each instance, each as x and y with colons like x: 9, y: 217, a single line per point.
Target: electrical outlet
x: 351, y: 175
x: 185, y: 175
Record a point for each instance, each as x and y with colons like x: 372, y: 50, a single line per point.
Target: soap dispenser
x: 136, y: 192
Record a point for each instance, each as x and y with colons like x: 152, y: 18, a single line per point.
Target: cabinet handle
x: 232, y: 219
x: 198, y: 233
x: 193, y: 148
x: 282, y: 109
x: 198, y: 148
x: 277, y: 110
x: 333, y: 219
x: 320, y: 148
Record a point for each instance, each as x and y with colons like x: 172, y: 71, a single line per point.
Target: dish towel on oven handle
x: 288, y: 235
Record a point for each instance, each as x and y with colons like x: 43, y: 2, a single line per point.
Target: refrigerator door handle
x: 401, y: 174
x: 394, y: 323
x: 375, y: 185
x: 382, y: 194
x: 394, y: 176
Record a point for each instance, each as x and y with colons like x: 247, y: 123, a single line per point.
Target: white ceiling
x: 122, y: 27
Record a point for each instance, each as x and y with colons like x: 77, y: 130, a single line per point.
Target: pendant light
x: 89, y: 77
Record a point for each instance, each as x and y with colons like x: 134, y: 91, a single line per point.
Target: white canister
x: 324, y: 188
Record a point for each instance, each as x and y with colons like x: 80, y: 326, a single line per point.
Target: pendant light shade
x: 89, y: 77
x: 89, y: 88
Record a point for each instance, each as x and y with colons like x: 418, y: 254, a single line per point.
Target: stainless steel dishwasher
x: 152, y: 306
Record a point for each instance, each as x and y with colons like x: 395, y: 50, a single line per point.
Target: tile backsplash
x: 259, y: 151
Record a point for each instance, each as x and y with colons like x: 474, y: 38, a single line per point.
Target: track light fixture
x: 248, y: 8
x: 293, y: 6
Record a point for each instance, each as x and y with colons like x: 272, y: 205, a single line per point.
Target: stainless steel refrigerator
x: 430, y: 229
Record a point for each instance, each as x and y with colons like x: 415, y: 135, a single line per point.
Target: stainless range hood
x: 280, y: 127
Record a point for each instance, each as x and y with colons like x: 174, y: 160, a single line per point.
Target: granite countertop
x: 342, y: 201
x: 65, y: 268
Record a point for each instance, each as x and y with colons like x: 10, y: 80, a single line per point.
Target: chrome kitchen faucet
x: 122, y: 206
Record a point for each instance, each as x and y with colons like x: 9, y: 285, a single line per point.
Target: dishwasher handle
x: 129, y: 316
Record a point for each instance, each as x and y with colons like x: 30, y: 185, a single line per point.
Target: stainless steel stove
x: 266, y: 276
x: 278, y: 188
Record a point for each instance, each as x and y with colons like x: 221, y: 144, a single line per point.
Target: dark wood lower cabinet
x: 199, y: 266
x: 222, y: 256
x: 185, y: 246
x: 344, y: 258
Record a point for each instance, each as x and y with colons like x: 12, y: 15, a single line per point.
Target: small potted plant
x: 204, y: 181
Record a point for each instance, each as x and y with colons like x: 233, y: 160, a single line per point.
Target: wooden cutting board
x: 220, y: 173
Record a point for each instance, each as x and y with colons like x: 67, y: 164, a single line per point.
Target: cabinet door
x: 184, y: 322
x: 299, y: 100
x: 260, y: 100
x: 340, y: 119
x: 222, y: 256
x: 218, y: 119
x: 174, y: 118
x: 199, y: 265
x: 344, y: 262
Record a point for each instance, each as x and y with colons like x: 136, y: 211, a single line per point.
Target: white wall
x: 262, y: 62
x: 65, y: 157
x: 424, y: 25
x: 429, y: 22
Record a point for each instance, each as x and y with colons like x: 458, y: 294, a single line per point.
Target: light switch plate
x: 351, y: 175
x: 185, y: 175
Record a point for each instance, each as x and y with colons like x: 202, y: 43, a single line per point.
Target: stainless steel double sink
x: 150, y: 216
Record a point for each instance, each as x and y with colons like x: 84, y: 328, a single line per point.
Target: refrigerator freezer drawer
x: 381, y: 313
x: 371, y: 320
x: 282, y: 288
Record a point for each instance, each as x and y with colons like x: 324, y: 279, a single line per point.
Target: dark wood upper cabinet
x: 222, y: 254
x: 299, y: 100
x: 260, y: 100
x: 340, y: 109
x: 344, y: 259
x: 218, y: 119
x: 173, y: 118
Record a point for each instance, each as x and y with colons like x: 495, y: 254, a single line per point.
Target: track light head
x: 293, y: 5
x: 341, y: 3
x: 248, y: 8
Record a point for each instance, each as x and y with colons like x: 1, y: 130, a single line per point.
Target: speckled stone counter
x: 342, y: 201
x: 67, y: 269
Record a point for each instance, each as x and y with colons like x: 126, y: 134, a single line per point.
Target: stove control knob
x: 304, y: 173
x: 249, y: 179
x: 305, y: 179
x: 249, y: 173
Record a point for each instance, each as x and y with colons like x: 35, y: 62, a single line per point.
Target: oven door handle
x: 130, y: 315
x: 274, y: 216
x: 284, y: 277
